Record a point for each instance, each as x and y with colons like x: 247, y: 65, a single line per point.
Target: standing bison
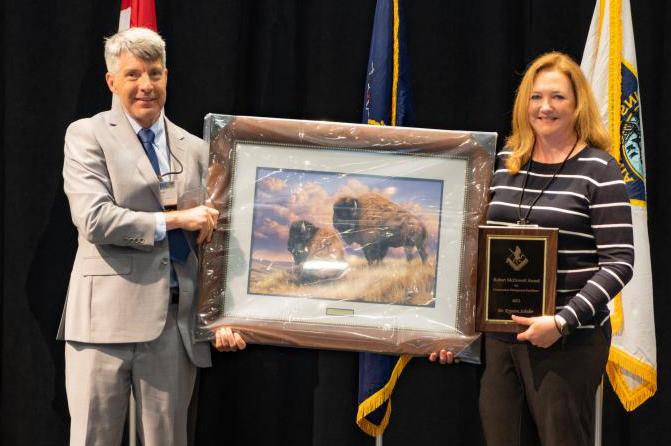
x: 318, y: 252
x: 377, y: 224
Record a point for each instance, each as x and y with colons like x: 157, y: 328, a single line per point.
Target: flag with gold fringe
x: 387, y: 101
x: 609, y: 62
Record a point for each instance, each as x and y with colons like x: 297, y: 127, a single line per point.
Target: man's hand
x: 226, y: 340
x: 200, y: 218
x: 542, y: 331
x: 443, y: 356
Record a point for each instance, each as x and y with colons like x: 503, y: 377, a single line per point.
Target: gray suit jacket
x: 119, y: 286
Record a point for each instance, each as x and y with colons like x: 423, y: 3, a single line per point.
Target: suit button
x: 164, y: 261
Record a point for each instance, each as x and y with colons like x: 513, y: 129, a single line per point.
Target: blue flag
x: 388, y: 97
x: 387, y: 101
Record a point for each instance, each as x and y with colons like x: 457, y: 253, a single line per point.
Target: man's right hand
x: 200, y: 218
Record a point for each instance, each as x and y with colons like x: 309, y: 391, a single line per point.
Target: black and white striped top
x: 588, y: 202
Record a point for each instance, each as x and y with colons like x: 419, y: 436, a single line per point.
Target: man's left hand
x: 227, y: 340
x: 443, y: 356
x: 542, y: 331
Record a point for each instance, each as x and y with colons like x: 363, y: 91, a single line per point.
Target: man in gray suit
x: 132, y: 293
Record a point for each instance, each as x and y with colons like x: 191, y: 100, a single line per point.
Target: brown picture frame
x: 228, y: 134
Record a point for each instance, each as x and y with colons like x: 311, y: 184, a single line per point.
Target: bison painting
x: 377, y: 224
x: 318, y: 252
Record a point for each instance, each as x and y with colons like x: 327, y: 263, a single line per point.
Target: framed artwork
x: 344, y: 236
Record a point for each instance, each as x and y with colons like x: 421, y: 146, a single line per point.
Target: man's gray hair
x: 142, y: 43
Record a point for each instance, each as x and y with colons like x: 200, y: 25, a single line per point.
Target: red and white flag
x: 137, y: 13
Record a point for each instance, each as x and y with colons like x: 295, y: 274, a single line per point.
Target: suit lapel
x: 122, y: 130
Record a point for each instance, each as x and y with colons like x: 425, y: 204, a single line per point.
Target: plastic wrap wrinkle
x: 344, y: 236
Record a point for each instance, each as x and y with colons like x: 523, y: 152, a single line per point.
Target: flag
x: 137, y: 13
x: 387, y: 97
x: 387, y: 101
x: 609, y: 62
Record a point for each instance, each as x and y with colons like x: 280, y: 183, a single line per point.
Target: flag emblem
x: 631, y: 161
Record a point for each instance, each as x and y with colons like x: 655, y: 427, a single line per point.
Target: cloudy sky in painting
x: 285, y: 196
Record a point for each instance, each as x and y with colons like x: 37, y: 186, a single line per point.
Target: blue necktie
x: 179, y: 247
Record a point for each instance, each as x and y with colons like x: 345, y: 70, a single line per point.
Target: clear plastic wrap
x: 344, y: 236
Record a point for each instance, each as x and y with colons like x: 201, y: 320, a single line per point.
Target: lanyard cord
x: 171, y: 155
x: 525, y: 220
x: 181, y: 166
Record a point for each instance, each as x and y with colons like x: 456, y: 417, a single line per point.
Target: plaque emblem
x: 517, y: 260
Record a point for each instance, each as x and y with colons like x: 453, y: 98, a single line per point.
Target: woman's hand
x: 542, y: 331
x: 444, y: 357
x: 227, y: 340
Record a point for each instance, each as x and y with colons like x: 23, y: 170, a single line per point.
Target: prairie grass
x: 393, y: 281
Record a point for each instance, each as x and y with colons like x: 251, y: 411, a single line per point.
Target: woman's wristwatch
x: 561, y: 325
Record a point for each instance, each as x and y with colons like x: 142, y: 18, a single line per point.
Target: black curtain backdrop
x: 289, y: 59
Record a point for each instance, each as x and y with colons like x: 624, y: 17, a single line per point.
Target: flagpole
x: 598, y: 414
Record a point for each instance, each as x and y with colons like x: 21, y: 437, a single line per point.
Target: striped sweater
x: 588, y: 202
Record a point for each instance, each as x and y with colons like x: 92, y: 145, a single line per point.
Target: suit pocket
x: 107, y: 266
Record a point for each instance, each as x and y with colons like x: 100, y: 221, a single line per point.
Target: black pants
x: 532, y: 395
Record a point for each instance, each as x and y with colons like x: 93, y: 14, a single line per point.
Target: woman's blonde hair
x: 587, y: 121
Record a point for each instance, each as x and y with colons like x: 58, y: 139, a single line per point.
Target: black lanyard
x: 525, y: 220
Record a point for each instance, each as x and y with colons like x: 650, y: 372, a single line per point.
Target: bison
x: 377, y: 224
x: 318, y: 252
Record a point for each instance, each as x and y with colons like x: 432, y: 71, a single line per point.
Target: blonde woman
x: 539, y: 386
